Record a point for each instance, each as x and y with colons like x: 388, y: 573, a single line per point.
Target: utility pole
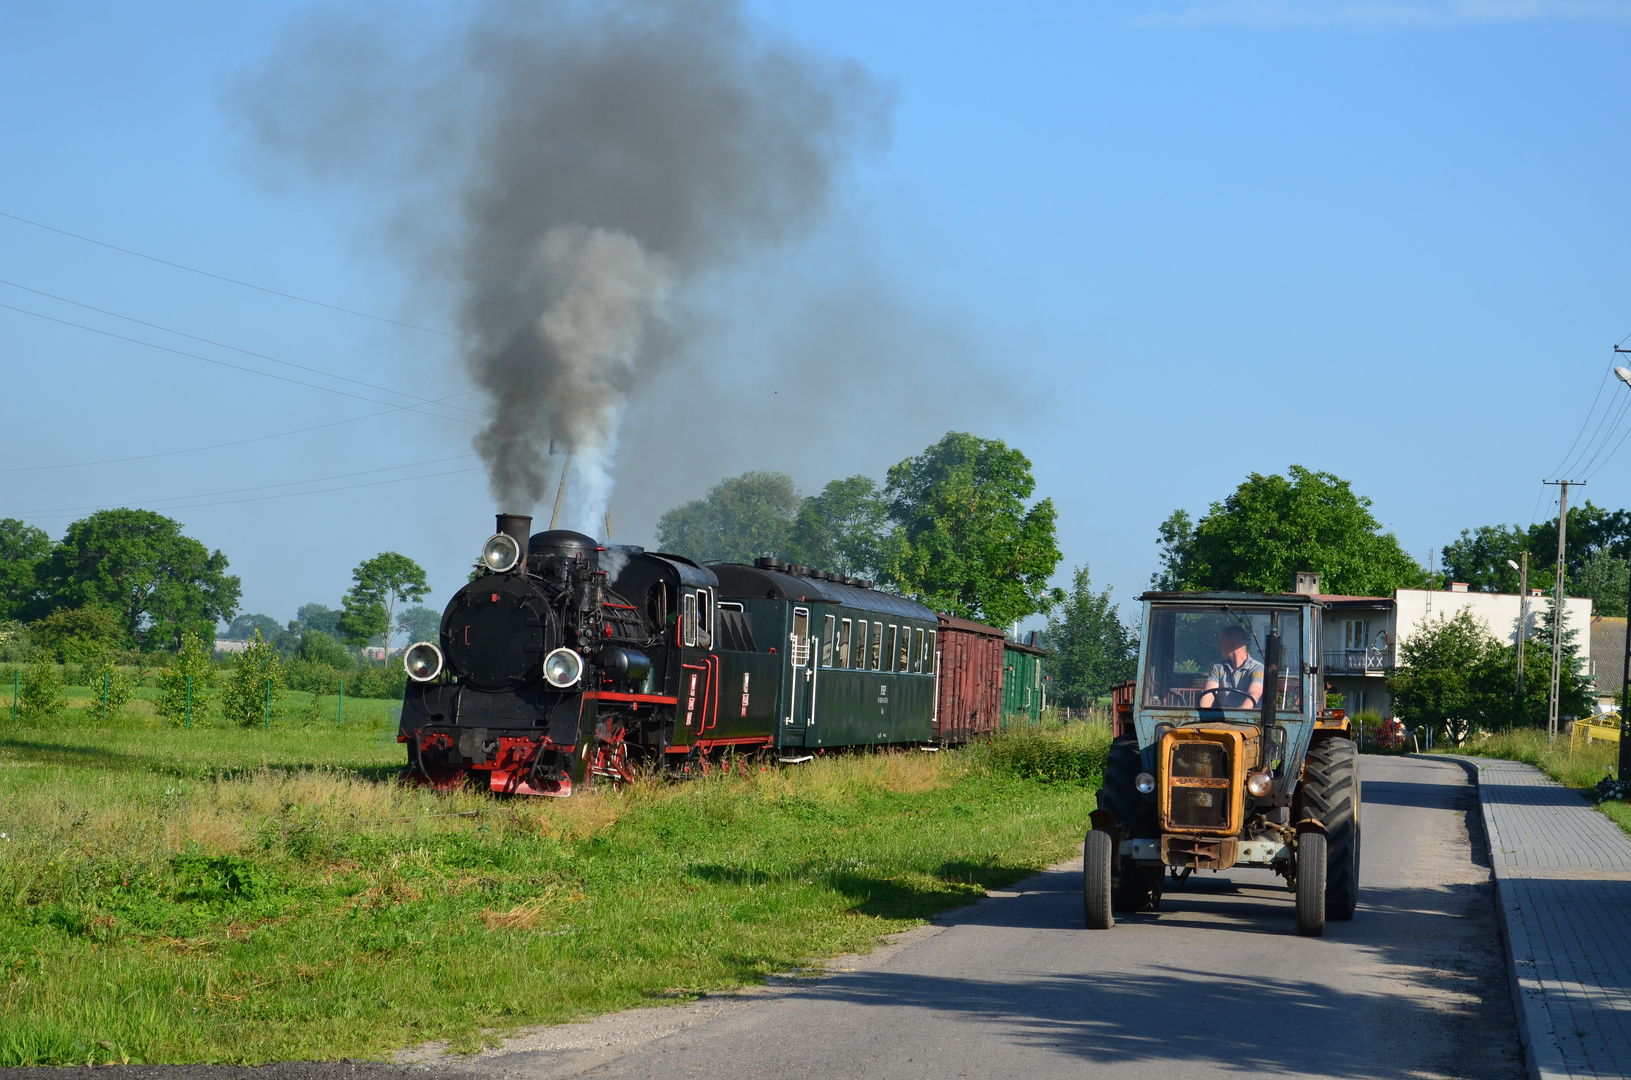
x: 1523, y: 619
x: 1557, y: 603
x: 1625, y: 673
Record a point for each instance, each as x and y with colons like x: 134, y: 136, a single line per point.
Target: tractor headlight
x: 423, y: 661
x: 1258, y: 784
x: 1145, y: 783
x: 500, y: 553
x: 563, y: 668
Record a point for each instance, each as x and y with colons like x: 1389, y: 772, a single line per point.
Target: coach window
x: 877, y: 645
x: 801, y: 636
x: 928, y: 653
x: 889, y: 653
x: 828, y: 640
x: 843, y: 643
x: 688, y: 619
x: 705, y: 625
x: 917, y: 651
x: 905, y: 655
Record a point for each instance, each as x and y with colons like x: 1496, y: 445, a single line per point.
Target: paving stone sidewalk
x: 1563, y: 883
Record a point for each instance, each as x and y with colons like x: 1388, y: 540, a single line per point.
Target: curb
x: 1541, y: 1053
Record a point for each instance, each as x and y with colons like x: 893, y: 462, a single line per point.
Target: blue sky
x: 1157, y: 247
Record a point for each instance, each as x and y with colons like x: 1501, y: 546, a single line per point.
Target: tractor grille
x: 1200, y: 808
x: 1200, y: 786
x: 1206, y: 760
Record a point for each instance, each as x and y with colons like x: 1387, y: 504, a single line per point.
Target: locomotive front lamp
x: 423, y: 661
x: 1145, y: 782
x: 500, y: 553
x: 563, y: 668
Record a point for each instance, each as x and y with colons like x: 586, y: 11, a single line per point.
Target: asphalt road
x: 1215, y: 984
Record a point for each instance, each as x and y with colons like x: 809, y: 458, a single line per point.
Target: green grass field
x: 1576, y: 767
x: 238, y: 895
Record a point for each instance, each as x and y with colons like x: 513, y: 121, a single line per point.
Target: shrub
x: 257, y: 679
x: 79, y: 635
x: 1032, y: 752
x: 188, y: 677
x: 42, y: 695
x: 312, y: 677
x: 387, y: 680
x: 319, y: 648
x: 112, y: 688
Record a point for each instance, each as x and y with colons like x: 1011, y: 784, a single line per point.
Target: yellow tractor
x: 1227, y: 757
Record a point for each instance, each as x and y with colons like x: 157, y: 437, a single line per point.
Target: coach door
x: 801, y: 679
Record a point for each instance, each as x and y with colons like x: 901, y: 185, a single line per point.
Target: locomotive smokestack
x: 519, y: 528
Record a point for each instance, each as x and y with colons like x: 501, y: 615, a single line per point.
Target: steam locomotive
x: 563, y: 662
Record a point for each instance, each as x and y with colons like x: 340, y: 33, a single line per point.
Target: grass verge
x: 1578, y: 768
x: 242, y: 896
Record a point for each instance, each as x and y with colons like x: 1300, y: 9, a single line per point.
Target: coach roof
x: 751, y: 582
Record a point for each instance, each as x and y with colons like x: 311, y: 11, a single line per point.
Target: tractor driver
x: 1236, y: 681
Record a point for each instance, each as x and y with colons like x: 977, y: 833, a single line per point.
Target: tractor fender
x: 1307, y: 825
x: 1102, y: 820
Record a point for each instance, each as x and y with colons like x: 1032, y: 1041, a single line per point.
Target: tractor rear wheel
x: 1311, y: 884
x: 1136, y: 888
x: 1331, y: 794
x: 1097, y: 853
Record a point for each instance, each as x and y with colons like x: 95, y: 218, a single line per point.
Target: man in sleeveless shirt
x: 1236, y: 681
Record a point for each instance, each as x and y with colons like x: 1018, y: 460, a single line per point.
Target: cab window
x: 688, y: 619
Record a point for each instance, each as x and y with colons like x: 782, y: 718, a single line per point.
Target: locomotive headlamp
x: 423, y: 661
x: 500, y: 553
x: 1144, y: 782
x: 1258, y: 784
x: 563, y: 668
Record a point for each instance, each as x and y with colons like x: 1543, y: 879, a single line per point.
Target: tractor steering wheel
x: 1223, y: 697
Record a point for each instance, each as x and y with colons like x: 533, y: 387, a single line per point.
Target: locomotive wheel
x: 1098, y: 851
x: 1135, y: 888
x: 1311, y: 884
x: 1331, y: 794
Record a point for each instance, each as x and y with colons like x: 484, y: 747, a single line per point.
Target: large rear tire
x: 1311, y: 884
x: 1135, y: 888
x: 1331, y: 794
x: 1097, y: 853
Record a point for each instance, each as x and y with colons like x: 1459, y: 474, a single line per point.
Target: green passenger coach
x: 852, y: 666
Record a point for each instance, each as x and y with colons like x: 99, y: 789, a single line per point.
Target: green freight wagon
x: 1024, y: 681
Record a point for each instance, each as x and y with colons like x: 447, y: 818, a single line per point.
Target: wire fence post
x: 16, y: 687
x: 339, y: 720
x: 268, y: 704
x: 104, y: 697
x: 189, y: 723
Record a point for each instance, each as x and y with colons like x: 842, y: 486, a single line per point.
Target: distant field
x: 238, y: 895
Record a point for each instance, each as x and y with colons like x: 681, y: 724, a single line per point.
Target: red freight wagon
x: 969, y: 699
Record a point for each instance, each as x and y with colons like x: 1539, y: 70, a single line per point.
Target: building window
x: 1353, y: 634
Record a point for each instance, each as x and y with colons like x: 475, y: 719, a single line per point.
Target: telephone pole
x: 1557, y: 603
x: 1523, y: 615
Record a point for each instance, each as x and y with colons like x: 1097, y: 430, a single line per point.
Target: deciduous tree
x: 379, y: 584
x: 842, y: 529
x: 79, y: 635
x: 141, y: 565
x: 740, y: 519
x: 1092, y: 649
x: 964, y: 540
x: 1271, y: 527
x: 22, y: 548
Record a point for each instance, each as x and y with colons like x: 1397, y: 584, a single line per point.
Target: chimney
x: 1308, y: 584
x: 519, y: 528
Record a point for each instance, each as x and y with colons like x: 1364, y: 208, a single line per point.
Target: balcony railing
x: 1357, y: 661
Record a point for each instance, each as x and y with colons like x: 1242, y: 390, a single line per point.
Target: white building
x: 1362, y: 633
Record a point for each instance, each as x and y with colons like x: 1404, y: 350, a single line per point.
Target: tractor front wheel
x: 1311, y: 884
x: 1097, y: 851
x: 1136, y: 888
x: 1331, y: 794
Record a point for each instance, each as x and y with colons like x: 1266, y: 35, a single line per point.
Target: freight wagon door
x: 800, y: 681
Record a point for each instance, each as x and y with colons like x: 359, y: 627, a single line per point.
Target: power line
x: 219, y: 445
x: 231, y: 281
x: 266, y: 487
x: 224, y: 345
x: 220, y: 363
x: 1584, y: 424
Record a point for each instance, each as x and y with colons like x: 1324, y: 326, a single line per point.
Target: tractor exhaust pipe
x: 1271, y: 686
